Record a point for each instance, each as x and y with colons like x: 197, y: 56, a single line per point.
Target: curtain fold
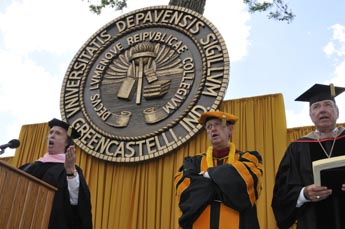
x: 142, y: 195
x: 261, y: 127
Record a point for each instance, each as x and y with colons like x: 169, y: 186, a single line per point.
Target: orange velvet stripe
x: 203, y: 221
x: 247, y: 177
x: 229, y: 218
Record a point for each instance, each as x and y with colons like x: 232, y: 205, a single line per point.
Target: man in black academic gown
x: 71, y: 206
x: 296, y: 199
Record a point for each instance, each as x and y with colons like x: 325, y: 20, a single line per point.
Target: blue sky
x: 38, y: 39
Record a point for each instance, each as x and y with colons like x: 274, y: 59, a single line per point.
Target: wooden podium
x: 25, y: 201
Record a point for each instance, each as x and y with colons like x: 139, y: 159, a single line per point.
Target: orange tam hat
x: 227, y: 117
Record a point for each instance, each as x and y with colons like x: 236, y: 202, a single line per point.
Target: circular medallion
x: 136, y: 88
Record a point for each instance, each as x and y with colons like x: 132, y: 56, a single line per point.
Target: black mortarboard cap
x: 320, y: 92
x: 71, y: 132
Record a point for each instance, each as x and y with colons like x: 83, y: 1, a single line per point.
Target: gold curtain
x: 142, y: 195
x: 297, y: 132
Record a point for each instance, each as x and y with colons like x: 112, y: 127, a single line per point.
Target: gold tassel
x: 332, y: 90
x: 69, y: 132
x: 224, y: 121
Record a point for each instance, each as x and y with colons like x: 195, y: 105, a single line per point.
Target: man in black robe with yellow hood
x: 220, y: 188
x: 296, y: 199
x: 71, y: 205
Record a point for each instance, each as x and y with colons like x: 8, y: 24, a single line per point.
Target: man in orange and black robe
x: 219, y: 189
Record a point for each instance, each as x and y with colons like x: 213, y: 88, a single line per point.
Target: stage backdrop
x: 142, y: 195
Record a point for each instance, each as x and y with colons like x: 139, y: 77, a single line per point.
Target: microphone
x: 14, y: 143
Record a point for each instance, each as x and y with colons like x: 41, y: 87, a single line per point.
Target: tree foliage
x: 276, y: 9
x: 115, y: 4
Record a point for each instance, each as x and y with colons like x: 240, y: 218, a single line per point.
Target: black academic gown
x: 63, y: 214
x: 294, y: 173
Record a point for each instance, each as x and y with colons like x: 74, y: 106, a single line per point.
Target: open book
x: 330, y: 172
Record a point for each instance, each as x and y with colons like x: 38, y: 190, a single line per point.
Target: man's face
x: 57, y: 140
x: 217, y: 134
x: 324, y: 115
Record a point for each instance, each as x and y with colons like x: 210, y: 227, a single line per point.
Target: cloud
x: 299, y: 118
x: 53, y: 26
x: 336, y: 46
x: 334, y: 49
x: 339, y: 80
x: 35, y: 50
x: 338, y: 41
x: 232, y: 22
x: 329, y: 49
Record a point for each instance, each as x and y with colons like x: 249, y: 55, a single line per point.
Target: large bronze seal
x: 137, y: 87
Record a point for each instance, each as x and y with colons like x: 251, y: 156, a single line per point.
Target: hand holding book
x: 330, y: 172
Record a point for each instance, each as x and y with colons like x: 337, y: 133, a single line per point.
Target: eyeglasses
x: 216, y: 125
x: 210, y: 126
